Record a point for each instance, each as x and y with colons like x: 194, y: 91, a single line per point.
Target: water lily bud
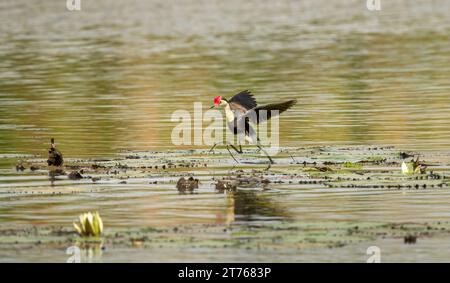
x: 89, y: 225
x: 407, y: 168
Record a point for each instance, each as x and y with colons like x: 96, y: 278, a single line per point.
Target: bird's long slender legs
x: 238, y: 151
x: 212, y: 148
x: 265, y: 152
x: 229, y: 151
x: 258, y: 142
x: 228, y: 148
x: 232, y: 146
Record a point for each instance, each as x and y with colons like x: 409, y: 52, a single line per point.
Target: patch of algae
x: 281, y: 236
x: 359, y: 168
x: 331, y: 167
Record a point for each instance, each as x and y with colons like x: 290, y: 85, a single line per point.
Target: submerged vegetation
x: 244, y: 187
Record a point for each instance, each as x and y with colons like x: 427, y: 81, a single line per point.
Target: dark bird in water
x: 242, y: 109
x: 55, y: 157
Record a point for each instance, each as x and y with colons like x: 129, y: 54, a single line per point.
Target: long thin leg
x: 212, y: 148
x: 232, y: 168
x: 238, y: 151
x: 228, y: 148
x: 293, y: 159
x: 258, y: 141
x: 265, y: 152
x: 268, y: 166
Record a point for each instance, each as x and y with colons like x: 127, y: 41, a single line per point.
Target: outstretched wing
x: 265, y: 112
x: 243, y: 101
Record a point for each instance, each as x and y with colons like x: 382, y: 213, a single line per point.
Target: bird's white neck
x: 229, y: 113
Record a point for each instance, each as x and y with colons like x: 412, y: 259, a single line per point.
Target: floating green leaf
x: 352, y: 165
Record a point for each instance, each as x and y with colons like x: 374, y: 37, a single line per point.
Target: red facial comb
x: 217, y: 100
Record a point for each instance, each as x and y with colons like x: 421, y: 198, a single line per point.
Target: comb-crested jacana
x: 242, y: 109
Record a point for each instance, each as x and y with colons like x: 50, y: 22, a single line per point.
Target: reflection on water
x: 34, y: 197
x: 136, y: 204
x: 249, y: 205
x: 108, y: 77
x: 85, y: 251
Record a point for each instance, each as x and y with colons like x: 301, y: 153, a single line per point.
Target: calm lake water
x: 108, y: 78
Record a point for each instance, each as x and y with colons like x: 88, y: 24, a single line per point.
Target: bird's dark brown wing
x: 265, y: 112
x: 244, y: 99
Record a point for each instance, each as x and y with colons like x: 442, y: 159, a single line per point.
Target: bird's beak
x: 212, y: 107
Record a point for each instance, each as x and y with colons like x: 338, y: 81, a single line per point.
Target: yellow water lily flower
x: 89, y: 225
x: 413, y: 167
x: 407, y: 168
